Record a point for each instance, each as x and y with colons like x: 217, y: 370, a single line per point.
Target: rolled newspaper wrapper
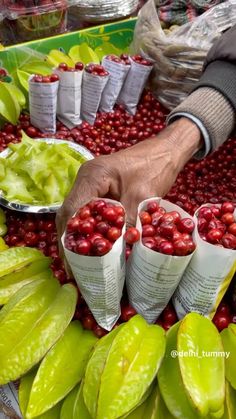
x: 69, y: 97
x: 153, y: 277
x: 92, y: 88
x: 101, y: 279
x: 43, y: 105
x: 206, y: 278
x: 133, y: 86
x: 118, y: 73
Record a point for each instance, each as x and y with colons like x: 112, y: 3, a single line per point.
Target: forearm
x: 176, y: 144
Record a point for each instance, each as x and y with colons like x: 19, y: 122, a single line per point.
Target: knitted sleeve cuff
x: 212, y: 110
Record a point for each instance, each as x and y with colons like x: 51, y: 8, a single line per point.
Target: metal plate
x: 37, y: 208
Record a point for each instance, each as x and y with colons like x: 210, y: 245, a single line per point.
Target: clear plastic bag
x: 179, y: 55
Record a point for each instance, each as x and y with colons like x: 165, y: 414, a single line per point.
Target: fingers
x: 131, y: 200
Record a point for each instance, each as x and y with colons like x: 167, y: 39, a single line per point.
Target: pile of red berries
x: 166, y: 232
x: 95, y: 228
x: 217, y: 225
x: 37, y: 78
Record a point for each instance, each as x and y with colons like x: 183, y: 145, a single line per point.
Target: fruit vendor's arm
x: 212, y: 104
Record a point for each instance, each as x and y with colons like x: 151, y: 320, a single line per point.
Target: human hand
x: 134, y: 174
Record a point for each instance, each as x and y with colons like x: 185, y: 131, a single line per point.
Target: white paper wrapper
x: 153, y: 277
x: 101, y: 280
x: 133, y: 86
x: 92, y: 88
x: 43, y: 105
x: 9, y: 404
x: 69, y: 97
x: 118, y: 73
x: 206, y: 278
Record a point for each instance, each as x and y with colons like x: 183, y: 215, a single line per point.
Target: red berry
x: 149, y: 242
x: 127, y: 311
x: 148, y: 230
x: 232, y: 229
x: 145, y: 217
x: 99, y: 331
x: 120, y: 221
x: 113, y: 234
x: 227, y: 218
x: 102, y: 227
x: 84, y: 213
x: 73, y: 225
x: 132, y: 235
x: 101, y: 247
x: 186, y: 225
x: 88, y: 322
x: 206, y: 213
x: 152, y: 207
x: 79, y: 66
x: 227, y: 207
x: 229, y: 241
x: 221, y: 321
x: 166, y: 247
x: 167, y: 229
x: 214, y: 236
x: 83, y: 247
x: 109, y: 214
x: 63, y: 66
x: 31, y: 238
x: 86, y: 227
x: 54, y: 77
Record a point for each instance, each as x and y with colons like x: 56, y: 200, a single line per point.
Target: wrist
x: 184, y: 139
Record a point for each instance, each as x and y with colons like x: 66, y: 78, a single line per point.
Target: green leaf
x: 170, y: 380
x: 19, y: 95
x: 32, y: 321
x: 230, y: 402
x: 228, y: 337
x: 16, y: 258
x: 9, y: 106
x: 11, y: 283
x: 83, y: 53
x: 201, y: 336
x: 95, y: 369
x: 48, y: 387
x: 23, y: 78
x: 37, y: 67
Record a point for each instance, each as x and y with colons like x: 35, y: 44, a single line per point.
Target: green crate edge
x: 118, y: 34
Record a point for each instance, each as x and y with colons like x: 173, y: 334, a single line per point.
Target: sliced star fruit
x: 70, y: 354
x: 16, y: 258
x: 203, y: 375
x: 228, y: 337
x: 170, y: 380
x: 122, y: 369
x: 30, y: 324
x: 11, y: 283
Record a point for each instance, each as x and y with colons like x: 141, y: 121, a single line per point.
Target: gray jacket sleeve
x: 213, y: 100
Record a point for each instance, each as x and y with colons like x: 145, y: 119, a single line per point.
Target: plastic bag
x: 179, y: 56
